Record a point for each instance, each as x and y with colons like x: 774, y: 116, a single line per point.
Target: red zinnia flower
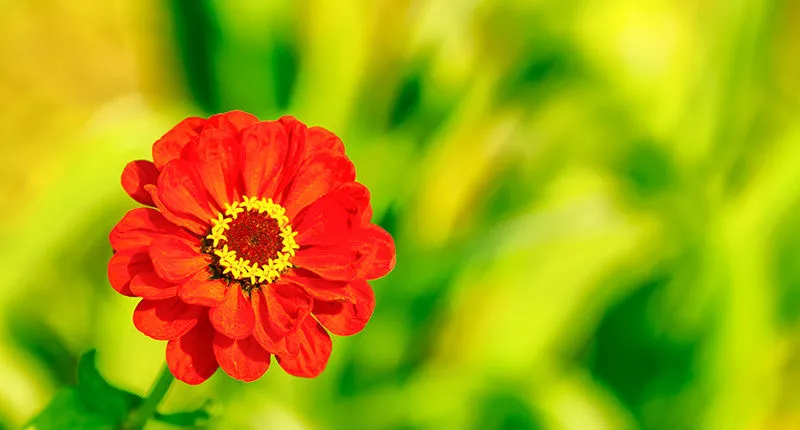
x: 258, y: 239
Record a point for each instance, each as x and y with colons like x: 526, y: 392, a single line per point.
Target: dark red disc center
x: 255, y: 237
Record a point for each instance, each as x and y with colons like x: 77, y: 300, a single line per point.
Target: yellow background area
x: 596, y: 204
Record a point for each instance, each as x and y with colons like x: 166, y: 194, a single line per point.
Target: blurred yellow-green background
x: 596, y: 203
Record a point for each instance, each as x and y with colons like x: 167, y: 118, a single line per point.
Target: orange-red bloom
x: 257, y: 242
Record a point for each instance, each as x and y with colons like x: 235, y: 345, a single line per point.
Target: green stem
x: 148, y: 407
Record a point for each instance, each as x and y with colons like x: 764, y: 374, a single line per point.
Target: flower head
x: 256, y: 241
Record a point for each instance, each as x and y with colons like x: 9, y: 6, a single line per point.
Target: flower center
x: 252, y: 242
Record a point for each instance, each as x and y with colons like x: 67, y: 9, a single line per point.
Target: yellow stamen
x: 238, y: 267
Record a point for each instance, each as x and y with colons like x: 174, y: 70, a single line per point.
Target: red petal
x: 263, y: 152
x: 242, y: 359
x: 330, y: 219
x: 319, y: 288
x: 140, y: 226
x: 124, y: 266
x: 366, y: 216
x: 320, y: 139
x: 369, y: 254
x: 165, y: 319
x: 148, y: 285
x: 170, y: 145
x: 234, y: 121
x: 176, y: 261
x: 202, y: 291
x: 286, y: 306
x: 321, y: 173
x: 266, y: 337
x: 314, y: 350
x: 181, y: 190
x: 234, y: 317
x: 191, y: 357
x: 189, y: 223
x: 215, y: 156
x: 135, y: 176
x: 381, y: 257
x: 346, y: 318
x: 337, y: 263
x: 295, y: 153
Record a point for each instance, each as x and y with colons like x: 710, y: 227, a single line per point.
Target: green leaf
x: 93, y: 404
x: 100, y: 396
x: 67, y: 411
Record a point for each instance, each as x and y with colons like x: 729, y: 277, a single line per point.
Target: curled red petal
x: 346, y: 318
x: 233, y: 121
x: 191, y: 357
x: 263, y: 150
x: 380, y: 255
x: 169, y: 146
x: 233, y: 317
x: 319, y: 139
x: 124, y: 266
x: 135, y: 176
x: 165, y: 319
x: 150, y: 286
x: 181, y: 190
x: 295, y: 153
x: 286, y: 305
x: 331, y: 218
x: 317, y: 287
x: 175, y: 261
x: 140, y: 226
x: 266, y: 337
x: 314, y: 349
x: 215, y: 156
x: 191, y: 224
x: 368, y: 254
x: 337, y: 263
x: 199, y: 290
x: 321, y: 173
x: 242, y: 359
x: 366, y: 215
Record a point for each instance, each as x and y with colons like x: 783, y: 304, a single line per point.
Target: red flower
x: 258, y: 242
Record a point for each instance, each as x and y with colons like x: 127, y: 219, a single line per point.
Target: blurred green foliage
x: 595, y: 203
